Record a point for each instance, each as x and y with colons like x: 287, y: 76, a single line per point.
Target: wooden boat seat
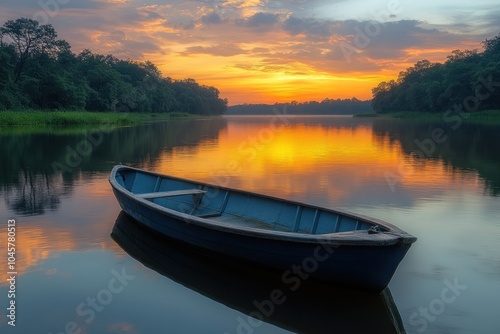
x: 171, y: 193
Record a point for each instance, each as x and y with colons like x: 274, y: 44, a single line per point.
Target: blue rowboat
x: 301, y: 241
x: 314, y: 307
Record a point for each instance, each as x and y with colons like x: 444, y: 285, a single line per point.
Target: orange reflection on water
x: 325, y: 163
x: 286, y: 159
x: 254, y: 150
x: 334, y: 160
x: 32, y: 245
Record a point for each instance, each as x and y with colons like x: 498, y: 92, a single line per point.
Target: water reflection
x: 312, y: 308
x: 468, y: 148
x: 81, y: 222
x: 35, y: 193
x: 36, y: 169
x: 250, y: 154
x: 448, y: 199
x: 326, y: 160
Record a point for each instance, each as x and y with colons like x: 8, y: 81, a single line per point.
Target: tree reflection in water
x: 30, y: 185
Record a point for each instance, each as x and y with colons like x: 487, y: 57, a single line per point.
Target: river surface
x: 438, y: 181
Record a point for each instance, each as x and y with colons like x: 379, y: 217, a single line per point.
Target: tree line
x: 39, y: 71
x: 325, y: 107
x: 468, y: 80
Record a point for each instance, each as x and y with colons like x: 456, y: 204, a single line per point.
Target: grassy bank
x: 489, y: 116
x: 73, y: 118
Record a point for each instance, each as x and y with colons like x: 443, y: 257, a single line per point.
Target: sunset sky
x: 271, y: 51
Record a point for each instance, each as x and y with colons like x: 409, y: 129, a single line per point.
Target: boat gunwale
x: 390, y: 234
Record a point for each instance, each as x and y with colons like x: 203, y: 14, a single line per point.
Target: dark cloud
x: 394, y: 38
x: 188, y: 26
x: 149, y: 14
x: 308, y: 26
x: 54, y: 6
x: 181, y: 22
x: 259, y: 19
x: 212, y: 18
x: 326, y: 58
x: 358, y: 40
x: 481, y: 20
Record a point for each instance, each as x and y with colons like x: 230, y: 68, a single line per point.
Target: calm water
x: 74, y: 276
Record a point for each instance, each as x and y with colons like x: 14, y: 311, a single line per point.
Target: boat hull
x: 247, y: 289
x: 369, y: 267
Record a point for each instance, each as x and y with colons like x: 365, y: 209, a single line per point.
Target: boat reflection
x: 313, y: 307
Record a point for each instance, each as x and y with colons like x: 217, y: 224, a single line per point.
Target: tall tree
x: 29, y: 39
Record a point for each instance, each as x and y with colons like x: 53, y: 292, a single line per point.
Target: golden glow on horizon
x: 267, y: 87
x: 247, y: 78
x: 293, y: 82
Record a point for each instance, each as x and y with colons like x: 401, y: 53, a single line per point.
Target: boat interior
x: 236, y: 208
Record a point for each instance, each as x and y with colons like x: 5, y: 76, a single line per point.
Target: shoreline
x: 26, y: 118
x: 35, y: 118
x: 485, y: 116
